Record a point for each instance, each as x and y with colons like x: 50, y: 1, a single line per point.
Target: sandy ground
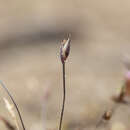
x: 31, y: 69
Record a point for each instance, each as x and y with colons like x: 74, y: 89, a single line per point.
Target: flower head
x: 64, y: 50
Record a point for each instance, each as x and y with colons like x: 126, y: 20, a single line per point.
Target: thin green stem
x: 64, y: 94
x: 16, y: 106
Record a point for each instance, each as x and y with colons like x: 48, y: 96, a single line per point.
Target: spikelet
x: 64, y: 50
x: 10, y: 109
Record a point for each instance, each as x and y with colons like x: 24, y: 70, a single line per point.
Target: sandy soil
x: 31, y: 69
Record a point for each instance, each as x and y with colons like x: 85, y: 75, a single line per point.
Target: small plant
x: 10, y: 108
x: 118, y: 100
x: 64, y: 52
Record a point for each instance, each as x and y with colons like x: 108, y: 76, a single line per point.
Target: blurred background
x: 30, y: 36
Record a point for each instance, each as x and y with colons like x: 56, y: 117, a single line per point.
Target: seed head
x: 64, y: 50
x: 107, y: 115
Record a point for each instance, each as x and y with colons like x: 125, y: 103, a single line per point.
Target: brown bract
x: 107, y: 115
x: 64, y: 50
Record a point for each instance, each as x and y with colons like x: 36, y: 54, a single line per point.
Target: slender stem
x: 16, y: 106
x: 64, y: 94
